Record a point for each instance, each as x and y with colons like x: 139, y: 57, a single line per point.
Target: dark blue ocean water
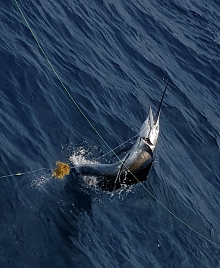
x: 114, y: 58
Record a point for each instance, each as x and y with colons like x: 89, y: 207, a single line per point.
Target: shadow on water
x: 78, y: 196
x: 40, y: 225
x: 76, y: 200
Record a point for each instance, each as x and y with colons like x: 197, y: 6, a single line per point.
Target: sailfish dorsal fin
x: 147, y: 125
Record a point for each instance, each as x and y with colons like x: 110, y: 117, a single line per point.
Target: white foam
x: 79, y: 157
x: 90, y: 181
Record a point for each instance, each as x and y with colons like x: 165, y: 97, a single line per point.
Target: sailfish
x: 135, y: 165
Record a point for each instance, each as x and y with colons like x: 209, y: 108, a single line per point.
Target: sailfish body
x: 135, y: 166
x: 138, y: 159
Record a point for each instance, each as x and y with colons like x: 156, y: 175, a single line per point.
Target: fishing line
x: 61, y: 82
x: 135, y: 136
x: 49, y: 169
x: 23, y: 173
x: 89, y: 122
x: 176, y: 217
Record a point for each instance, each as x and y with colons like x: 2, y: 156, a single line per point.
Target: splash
x: 79, y: 157
x: 41, y: 182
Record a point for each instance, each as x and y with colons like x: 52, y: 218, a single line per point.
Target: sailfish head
x: 150, y: 130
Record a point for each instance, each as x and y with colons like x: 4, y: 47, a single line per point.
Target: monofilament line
x: 81, y: 111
